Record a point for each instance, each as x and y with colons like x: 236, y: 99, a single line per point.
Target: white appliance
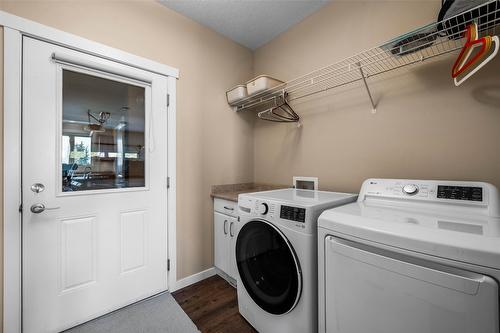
x: 276, y: 257
x: 411, y: 256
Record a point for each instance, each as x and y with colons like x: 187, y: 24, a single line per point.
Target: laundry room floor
x: 212, y: 305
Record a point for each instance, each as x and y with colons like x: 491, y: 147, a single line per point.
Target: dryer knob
x: 410, y: 189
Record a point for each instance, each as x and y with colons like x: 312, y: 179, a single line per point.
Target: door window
x: 103, y: 133
x: 268, y: 267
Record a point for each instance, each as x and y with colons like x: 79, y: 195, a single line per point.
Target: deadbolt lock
x: 38, y: 187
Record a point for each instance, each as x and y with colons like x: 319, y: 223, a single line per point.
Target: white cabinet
x: 225, y: 230
x: 232, y: 270
x: 220, y: 236
x: 226, y: 207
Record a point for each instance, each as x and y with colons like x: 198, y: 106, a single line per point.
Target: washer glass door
x: 268, y: 267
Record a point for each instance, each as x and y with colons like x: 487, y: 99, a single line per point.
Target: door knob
x: 40, y: 207
x: 37, y: 187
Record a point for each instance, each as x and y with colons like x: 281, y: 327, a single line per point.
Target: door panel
x: 393, y: 293
x: 100, y: 242
x: 78, y: 252
x: 221, y: 224
x: 231, y: 251
x: 133, y: 229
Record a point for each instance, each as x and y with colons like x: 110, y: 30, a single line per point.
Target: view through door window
x: 103, y: 133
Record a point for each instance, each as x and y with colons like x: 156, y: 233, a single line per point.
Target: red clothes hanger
x: 462, y: 64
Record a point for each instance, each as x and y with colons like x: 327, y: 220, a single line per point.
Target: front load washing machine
x: 276, y: 257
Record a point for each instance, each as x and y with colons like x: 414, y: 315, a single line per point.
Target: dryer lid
x: 470, y: 238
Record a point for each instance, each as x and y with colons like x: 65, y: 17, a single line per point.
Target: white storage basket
x: 236, y: 94
x: 261, y: 83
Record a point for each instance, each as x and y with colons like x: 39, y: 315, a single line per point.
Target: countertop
x: 231, y: 191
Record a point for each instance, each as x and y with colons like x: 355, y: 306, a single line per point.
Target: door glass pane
x: 103, y: 133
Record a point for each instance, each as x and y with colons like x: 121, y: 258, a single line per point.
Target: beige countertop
x: 231, y: 191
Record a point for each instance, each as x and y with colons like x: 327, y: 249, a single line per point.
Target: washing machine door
x: 268, y: 267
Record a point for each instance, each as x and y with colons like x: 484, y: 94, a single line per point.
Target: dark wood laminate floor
x: 212, y: 306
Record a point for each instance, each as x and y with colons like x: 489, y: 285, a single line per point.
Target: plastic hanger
x: 462, y: 64
x: 494, y: 40
x: 472, y: 42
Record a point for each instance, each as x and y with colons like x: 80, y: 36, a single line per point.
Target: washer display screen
x: 293, y: 213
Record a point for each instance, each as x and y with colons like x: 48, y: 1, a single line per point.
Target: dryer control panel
x: 459, y: 194
x: 471, y: 193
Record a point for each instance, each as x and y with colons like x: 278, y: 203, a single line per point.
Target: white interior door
x: 94, y: 186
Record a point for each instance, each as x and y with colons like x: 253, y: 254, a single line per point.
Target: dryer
x: 277, y: 260
x: 412, y: 256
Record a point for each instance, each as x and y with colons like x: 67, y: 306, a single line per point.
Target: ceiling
x: 251, y: 23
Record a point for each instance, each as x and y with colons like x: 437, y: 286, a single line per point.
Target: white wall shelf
x: 428, y: 42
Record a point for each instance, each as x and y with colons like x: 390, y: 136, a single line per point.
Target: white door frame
x: 14, y: 29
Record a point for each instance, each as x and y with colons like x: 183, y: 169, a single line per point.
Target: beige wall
x: 425, y: 127
x: 212, y: 141
x: 1, y: 173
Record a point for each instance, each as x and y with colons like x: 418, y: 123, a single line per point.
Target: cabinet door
x: 231, y: 248
x: 221, y: 235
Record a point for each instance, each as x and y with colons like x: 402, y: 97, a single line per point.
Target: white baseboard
x: 226, y: 277
x: 189, y: 280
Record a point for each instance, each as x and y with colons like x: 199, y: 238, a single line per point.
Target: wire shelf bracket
x: 374, y: 106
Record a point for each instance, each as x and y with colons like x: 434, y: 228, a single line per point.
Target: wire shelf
x: 431, y: 41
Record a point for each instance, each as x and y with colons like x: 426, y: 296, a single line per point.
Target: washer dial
x: 263, y: 208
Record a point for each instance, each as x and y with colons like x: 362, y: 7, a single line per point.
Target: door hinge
x: 168, y: 100
x: 168, y: 265
x: 20, y: 208
x: 168, y: 182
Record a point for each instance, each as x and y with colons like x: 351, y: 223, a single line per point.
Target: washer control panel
x: 262, y: 208
x: 295, y: 214
x: 291, y: 216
